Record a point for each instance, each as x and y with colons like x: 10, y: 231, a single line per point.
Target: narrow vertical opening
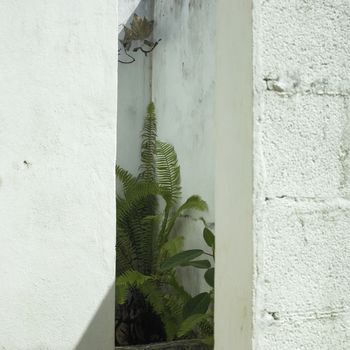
x: 166, y: 199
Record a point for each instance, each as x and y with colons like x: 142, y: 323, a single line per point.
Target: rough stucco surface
x: 302, y: 204
x: 57, y: 154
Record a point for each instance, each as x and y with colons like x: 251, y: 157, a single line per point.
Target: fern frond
x: 209, y: 341
x: 125, y: 254
x: 161, y: 304
x: 126, y: 281
x: 190, y: 323
x: 131, y: 213
x: 126, y: 178
x: 168, y: 172
x: 141, y: 190
x: 206, y: 326
x: 178, y: 289
x: 148, y: 145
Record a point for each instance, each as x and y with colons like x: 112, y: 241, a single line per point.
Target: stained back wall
x: 179, y: 77
x: 183, y: 90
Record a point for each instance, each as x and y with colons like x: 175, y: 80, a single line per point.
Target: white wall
x: 234, y: 176
x: 183, y: 90
x: 57, y: 155
x: 302, y: 144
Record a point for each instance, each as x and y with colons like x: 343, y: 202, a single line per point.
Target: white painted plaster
x: 57, y: 155
x: 301, y: 115
x: 234, y: 176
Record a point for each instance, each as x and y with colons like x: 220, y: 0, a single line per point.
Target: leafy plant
x: 198, y: 312
x: 149, y: 252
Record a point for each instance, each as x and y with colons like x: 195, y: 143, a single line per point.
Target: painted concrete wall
x: 57, y: 155
x: 234, y: 176
x: 302, y: 212
x: 183, y: 90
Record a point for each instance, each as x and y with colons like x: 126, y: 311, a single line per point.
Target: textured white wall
x: 57, y: 155
x: 183, y: 90
x: 302, y: 211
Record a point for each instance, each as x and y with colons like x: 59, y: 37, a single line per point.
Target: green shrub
x: 148, y: 251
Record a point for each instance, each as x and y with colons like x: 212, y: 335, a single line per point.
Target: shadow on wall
x: 99, y: 334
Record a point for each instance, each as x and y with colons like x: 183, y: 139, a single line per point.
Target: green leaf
x: 173, y: 246
x: 181, y: 258
x: 209, y: 237
x: 208, y: 341
x: 197, y: 305
x: 193, y: 203
x: 200, y: 264
x: 189, y: 323
x: 209, y: 277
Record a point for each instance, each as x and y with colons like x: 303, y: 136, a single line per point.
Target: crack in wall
x: 308, y: 315
x: 345, y: 200
x: 291, y: 84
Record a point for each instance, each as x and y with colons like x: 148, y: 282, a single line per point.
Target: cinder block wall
x: 301, y: 149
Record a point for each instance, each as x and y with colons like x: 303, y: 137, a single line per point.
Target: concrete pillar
x: 57, y: 155
x: 299, y: 245
x: 234, y: 176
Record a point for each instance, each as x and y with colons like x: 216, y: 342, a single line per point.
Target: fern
x: 125, y: 281
x: 168, y: 173
x: 131, y: 213
x: 125, y: 177
x: 148, y: 145
x: 144, y: 232
x: 190, y: 323
x: 126, y: 256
